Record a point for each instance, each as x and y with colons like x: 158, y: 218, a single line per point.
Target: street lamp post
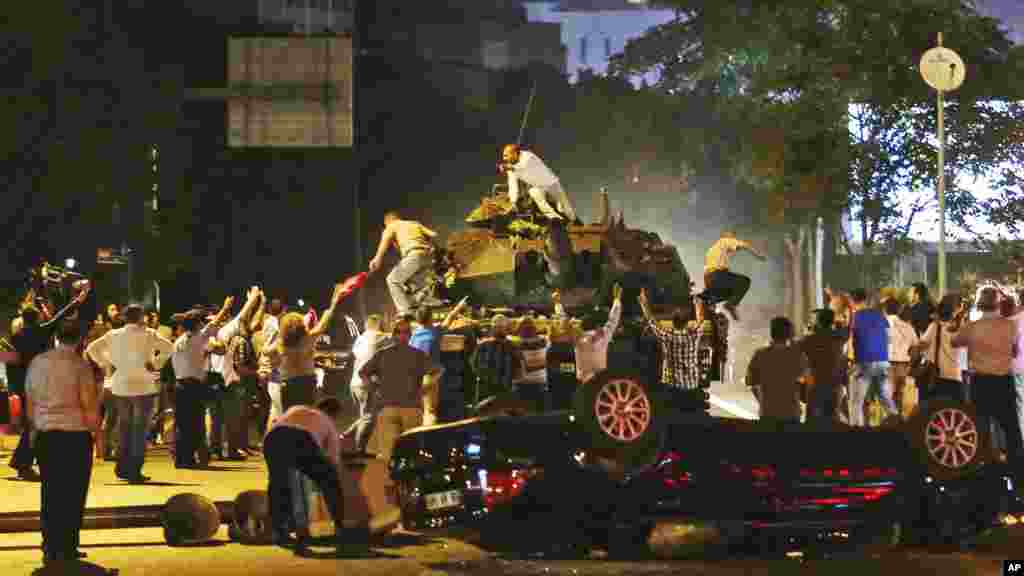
x: 944, y: 71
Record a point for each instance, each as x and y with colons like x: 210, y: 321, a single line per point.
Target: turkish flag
x: 353, y: 283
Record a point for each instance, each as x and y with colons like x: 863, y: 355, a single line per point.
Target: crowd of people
x: 106, y: 385
x: 864, y: 348
x: 102, y: 387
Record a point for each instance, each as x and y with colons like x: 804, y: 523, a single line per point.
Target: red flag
x: 353, y: 283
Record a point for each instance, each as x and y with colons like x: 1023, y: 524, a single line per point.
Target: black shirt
x: 30, y: 342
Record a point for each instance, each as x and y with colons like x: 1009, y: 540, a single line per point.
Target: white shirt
x: 532, y: 170
x: 62, y: 390
x: 189, y: 359
x: 226, y: 366
x: 717, y: 257
x: 270, y: 327
x: 363, y: 349
x: 901, y: 338
x: 1018, y: 362
x: 950, y: 367
x: 592, y: 347
x: 128, y: 350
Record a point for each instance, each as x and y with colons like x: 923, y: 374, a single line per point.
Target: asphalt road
x: 143, y: 552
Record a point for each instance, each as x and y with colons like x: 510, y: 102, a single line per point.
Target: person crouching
x: 303, y: 439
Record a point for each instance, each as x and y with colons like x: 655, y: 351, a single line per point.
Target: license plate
x: 442, y: 500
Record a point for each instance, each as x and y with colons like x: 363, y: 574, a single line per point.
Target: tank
x: 515, y: 258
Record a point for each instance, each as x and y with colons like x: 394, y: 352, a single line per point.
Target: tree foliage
x: 781, y: 77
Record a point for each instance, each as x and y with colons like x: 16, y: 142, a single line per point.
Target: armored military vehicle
x: 513, y: 257
x: 510, y: 259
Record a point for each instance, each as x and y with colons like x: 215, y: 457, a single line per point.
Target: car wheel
x: 949, y: 440
x: 622, y: 414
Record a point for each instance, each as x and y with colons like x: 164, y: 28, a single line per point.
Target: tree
x: 782, y: 77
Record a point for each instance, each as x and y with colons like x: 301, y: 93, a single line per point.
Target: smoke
x: 692, y: 222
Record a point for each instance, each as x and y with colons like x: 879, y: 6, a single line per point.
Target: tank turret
x: 514, y: 257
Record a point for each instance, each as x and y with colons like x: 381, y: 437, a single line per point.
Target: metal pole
x: 819, y: 276
x: 106, y: 518
x: 526, y: 113
x: 941, y: 189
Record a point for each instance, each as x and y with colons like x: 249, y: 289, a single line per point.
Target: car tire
x: 623, y: 417
x: 949, y: 439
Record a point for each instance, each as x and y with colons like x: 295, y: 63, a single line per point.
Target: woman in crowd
x: 294, y: 354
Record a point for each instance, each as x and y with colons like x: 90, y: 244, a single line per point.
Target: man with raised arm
x: 415, y: 243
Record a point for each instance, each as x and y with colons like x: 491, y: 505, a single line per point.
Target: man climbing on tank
x: 523, y: 165
x: 720, y: 283
x: 408, y: 282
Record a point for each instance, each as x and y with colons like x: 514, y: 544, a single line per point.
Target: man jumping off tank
x: 543, y: 184
x: 720, y: 283
x: 408, y: 282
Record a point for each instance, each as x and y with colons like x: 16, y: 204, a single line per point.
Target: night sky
x: 282, y: 218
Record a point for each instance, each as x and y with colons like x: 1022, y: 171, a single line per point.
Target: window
x: 607, y: 47
x: 583, y: 49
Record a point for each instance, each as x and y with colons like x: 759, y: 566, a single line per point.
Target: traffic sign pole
x: 943, y: 70
x: 941, y: 191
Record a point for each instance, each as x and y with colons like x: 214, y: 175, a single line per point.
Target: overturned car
x: 621, y: 464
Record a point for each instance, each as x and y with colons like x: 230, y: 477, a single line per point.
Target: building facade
x: 595, y: 30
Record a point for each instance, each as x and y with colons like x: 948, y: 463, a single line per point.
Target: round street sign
x: 943, y: 69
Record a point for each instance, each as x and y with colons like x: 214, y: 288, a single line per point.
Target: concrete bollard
x: 189, y: 519
x: 251, y: 521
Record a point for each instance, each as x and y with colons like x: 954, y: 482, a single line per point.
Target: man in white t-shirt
x: 364, y: 392
x: 720, y: 283
x: 133, y: 351
x: 524, y: 165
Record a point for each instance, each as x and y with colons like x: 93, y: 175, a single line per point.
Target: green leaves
x: 780, y: 76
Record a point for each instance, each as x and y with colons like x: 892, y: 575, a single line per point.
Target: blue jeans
x: 869, y: 377
x: 133, y: 415
x: 365, y: 397
x: 411, y: 269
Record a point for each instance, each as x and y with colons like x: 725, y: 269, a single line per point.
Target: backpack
x: 243, y: 355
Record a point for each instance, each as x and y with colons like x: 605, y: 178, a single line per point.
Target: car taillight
x: 845, y: 496
x: 760, y: 475
x: 855, y: 474
x: 500, y: 486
